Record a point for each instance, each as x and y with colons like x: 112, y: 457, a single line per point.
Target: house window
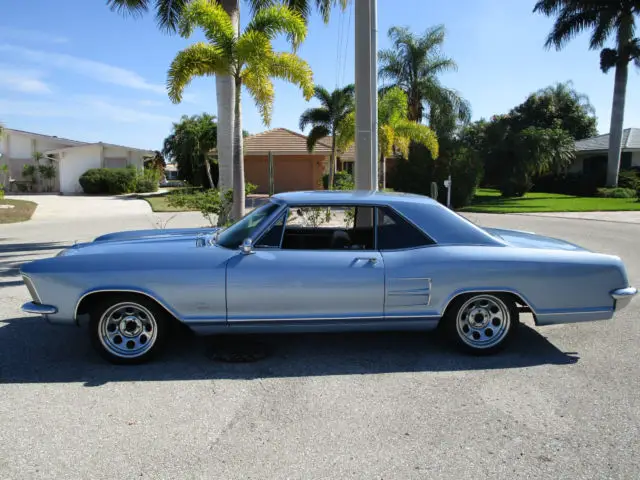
x: 625, y: 161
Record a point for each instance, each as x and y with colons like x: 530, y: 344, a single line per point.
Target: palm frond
x: 212, y: 18
x: 418, y: 133
x: 315, y: 116
x: 316, y: 134
x: 346, y: 132
x: 279, y: 19
x: 168, y: 12
x: 200, y: 59
x: 290, y: 67
x: 302, y: 7
x: 252, y: 47
x: 261, y: 89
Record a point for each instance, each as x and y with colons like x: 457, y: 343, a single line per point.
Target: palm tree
x: 190, y: 144
x: 613, y: 18
x: 413, y: 64
x: 249, y: 59
x: 395, y: 130
x: 168, y: 13
x: 326, y: 119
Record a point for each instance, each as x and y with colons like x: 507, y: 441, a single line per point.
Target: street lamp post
x: 366, y: 75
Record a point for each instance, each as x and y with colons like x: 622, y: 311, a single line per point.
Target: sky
x: 75, y: 69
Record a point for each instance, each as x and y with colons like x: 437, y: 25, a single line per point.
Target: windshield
x: 233, y: 236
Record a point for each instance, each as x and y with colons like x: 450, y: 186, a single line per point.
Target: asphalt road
x: 563, y: 402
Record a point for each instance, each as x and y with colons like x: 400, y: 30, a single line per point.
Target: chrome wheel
x: 127, y: 330
x: 483, y: 321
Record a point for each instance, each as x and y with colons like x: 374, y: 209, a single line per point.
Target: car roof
x: 338, y: 197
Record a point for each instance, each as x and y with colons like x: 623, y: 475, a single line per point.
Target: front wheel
x: 481, y: 323
x: 127, y: 329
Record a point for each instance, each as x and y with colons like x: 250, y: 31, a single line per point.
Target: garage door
x: 293, y: 174
x: 256, y: 171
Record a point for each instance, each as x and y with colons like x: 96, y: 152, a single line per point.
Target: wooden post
x: 272, y: 183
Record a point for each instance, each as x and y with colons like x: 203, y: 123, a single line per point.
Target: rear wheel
x: 127, y: 329
x: 482, y: 323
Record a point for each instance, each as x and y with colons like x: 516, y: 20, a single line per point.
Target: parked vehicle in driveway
x: 324, y: 261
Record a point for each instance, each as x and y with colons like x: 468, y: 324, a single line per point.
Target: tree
x: 249, y: 59
x: 514, y: 156
x: 413, y: 64
x: 190, y: 144
x: 327, y: 119
x: 558, y: 106
x: 395, y: 131
x: 168, y: 14
x: 605, y: 19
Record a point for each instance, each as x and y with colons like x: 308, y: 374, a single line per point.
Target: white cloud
x: 150, y: 103
x: 89, y: 68
x: 22, y: 81
x: 27, y: 35
x: 84, y: 107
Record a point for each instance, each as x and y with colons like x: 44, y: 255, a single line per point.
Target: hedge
x: 116, y: 181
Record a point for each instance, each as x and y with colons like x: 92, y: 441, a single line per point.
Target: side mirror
x: 247, y: 246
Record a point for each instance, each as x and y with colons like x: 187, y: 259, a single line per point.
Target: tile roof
x: 281, y: 141
x: 630, y: 141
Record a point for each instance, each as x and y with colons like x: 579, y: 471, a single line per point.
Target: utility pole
x: 366, y: 73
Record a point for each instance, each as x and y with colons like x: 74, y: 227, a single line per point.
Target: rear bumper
x: 39, y: 309
x: 623, y: 296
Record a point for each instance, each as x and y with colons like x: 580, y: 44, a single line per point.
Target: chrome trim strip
x: 33, y: 307
x: 572, y: 312
x: 330, y: 320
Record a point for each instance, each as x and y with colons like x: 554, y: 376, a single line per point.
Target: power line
x: 346, y: 49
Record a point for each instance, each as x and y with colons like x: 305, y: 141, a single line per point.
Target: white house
x: 71, y: 157
x: 591, y: 154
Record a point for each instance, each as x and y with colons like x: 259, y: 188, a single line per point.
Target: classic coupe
x: 324, y: 261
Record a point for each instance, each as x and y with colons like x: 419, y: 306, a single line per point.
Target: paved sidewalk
x: 620, y: 217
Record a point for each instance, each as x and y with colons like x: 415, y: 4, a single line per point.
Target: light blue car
x: 324, y: 261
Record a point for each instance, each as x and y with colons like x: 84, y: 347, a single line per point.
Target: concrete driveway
x: 562, y: 403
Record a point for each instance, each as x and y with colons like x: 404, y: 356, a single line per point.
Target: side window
x: 329, y: 227
x: 395, y: 233
x: 272, y: 238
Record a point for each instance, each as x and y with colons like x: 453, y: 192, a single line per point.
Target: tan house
x: 294, y: 168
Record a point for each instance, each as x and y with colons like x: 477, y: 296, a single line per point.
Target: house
x: 592, y: 158
x: 294, y: 167
x: 71, y: 157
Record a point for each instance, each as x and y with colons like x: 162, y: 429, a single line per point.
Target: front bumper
x: 39, y: 309
x: 623, y: 296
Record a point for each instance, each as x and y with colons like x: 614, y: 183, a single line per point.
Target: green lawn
x: 490, y: 201
x: 159, y: 203
x: 21, y: 212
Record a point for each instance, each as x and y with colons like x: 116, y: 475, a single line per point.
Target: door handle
x: 367, y: 259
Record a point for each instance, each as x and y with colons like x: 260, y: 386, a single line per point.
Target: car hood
x: 518, y: 238
x: 161, y: 241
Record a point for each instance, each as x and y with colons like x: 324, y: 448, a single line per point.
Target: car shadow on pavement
x: 32, y: 351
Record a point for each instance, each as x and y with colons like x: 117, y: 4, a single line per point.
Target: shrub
x: 617, y: 192
x: 415, y: 174
x: 114, y: 181
x: 629, y: 179
x: 578, y: 184
x: 147, y: 181
x: 342, y: 180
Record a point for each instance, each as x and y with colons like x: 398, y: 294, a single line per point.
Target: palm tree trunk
x: 237, y: 211
x: 225, y: 96
x: 617, y: 121
x: 207, y: 167
x: 332, y: 165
